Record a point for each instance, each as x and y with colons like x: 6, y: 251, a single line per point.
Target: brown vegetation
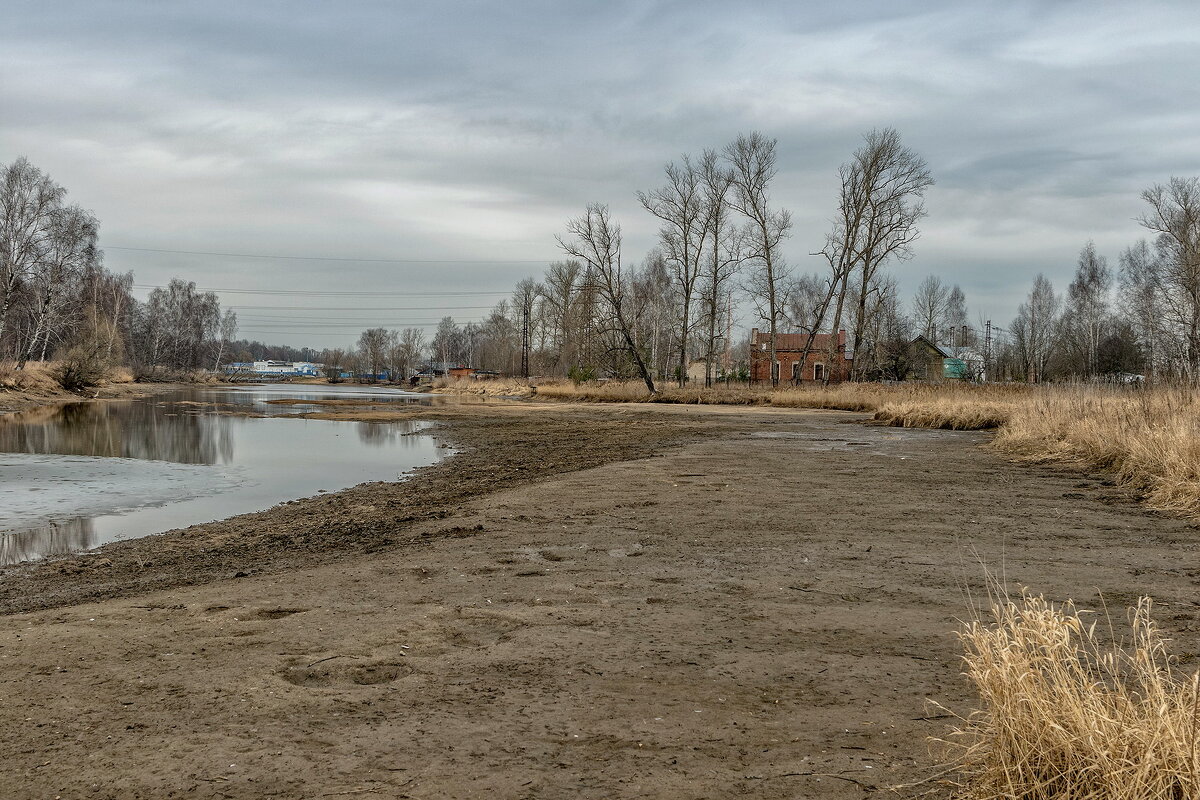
x: 950, y: 406
x: 1147, y: 438
x: 1067, y: 715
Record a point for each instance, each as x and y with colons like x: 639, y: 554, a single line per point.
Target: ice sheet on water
x: 40, y: 490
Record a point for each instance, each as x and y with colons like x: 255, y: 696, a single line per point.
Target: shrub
x: 91, y: 359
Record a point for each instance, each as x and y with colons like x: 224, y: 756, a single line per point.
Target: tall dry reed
x: 1146, y: 438
x: 1066, y: 715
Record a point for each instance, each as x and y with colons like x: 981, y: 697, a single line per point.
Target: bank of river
x: 78, y: 475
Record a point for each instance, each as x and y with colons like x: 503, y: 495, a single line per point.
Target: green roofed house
x: 927, y: 361
x: 931, y: 362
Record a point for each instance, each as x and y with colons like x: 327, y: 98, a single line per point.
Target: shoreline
x: 326, y: 525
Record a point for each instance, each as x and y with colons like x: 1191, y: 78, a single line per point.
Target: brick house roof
x: 786, y: 342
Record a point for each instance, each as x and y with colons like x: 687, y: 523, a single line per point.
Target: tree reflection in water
x: 389, y: 433
x: 179, y: 432
x: 31, y: 544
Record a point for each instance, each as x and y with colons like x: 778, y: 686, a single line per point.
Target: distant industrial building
x: 305, y: 369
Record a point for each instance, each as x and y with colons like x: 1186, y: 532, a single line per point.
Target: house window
x: 818, y: 372
x: 795, y: 372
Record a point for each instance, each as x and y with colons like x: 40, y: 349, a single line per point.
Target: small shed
x: 928, y: 362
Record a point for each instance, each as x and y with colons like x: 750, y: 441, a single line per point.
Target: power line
x: 334, y: 258
x: 302, y: 318
x: 360, y: 308
x: 358, y: 326
x: 322, y: 293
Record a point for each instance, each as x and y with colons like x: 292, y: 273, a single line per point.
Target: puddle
x: 871, y: 440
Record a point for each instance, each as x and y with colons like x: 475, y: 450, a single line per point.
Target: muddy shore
x: 585, y: 601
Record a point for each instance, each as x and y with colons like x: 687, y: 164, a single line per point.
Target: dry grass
x: 1147, y: 439
x: 1066, y: 716
x: 496, y: 387
x: 37, y: 376
x: 955, y: 406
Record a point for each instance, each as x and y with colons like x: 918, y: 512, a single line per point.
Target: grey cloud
x: 472, y: 130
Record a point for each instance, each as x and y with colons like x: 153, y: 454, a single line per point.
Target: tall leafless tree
x: 754, y: 165
x: 681, y: 207
x: 28, y: 202
x: 596, y: 240
x: 723, y: 256
x: 1087, y: 315
x: 1142, y: 304
x: 1175, y: 216
x: 929, y: 306
x: 1035, y: 329
x: 69, y: 248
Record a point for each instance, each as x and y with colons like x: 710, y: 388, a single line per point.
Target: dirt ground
x: 584, y: 602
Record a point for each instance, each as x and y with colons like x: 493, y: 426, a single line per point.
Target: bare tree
x: 879, y: 205
x: 373, y: 347
x: 68, y: 248
x: 929, y: 306
x: 888, y: 185
x: 229, y: 326
x: 755, y: 164
x: 596, y: 240
x: 28, y: 200
x: 409, y: 347
x: 1175, y: 216
x: 955, y: 319
x: 1035, y: 328
x: 1141, y: 302
x: 680, y: 206
x: 724, y: 255
x: 1087, y: 316
x: 565, y: 308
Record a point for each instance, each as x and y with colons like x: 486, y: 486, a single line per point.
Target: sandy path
x: 761, y: 613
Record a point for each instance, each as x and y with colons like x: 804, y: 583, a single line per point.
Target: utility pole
x: 728, y: 336
x: 987, y: 351
x: 525, y: 338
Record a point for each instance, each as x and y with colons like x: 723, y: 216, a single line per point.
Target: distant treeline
x: 58, y: 300
x: 719, y: 248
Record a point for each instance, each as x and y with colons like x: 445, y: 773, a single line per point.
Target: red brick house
x: 789, y: 347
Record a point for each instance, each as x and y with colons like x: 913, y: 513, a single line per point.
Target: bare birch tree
x: 28, y: 200
x: 69, y: 247
x: 1175, y: 216
x: 228, y: 330
x: 1141, y: 303
x: 1087, y: 315
x: 929, y: 306
x: 755, y: 164
x: 1035, y: 328
x: 680, y: 206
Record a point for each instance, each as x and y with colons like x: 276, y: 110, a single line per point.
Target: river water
x: 76, y: 476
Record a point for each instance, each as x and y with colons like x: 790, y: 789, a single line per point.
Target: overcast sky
x: 469, y: 132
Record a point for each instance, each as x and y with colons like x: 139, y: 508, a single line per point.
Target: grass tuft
x: 1066, y: 716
